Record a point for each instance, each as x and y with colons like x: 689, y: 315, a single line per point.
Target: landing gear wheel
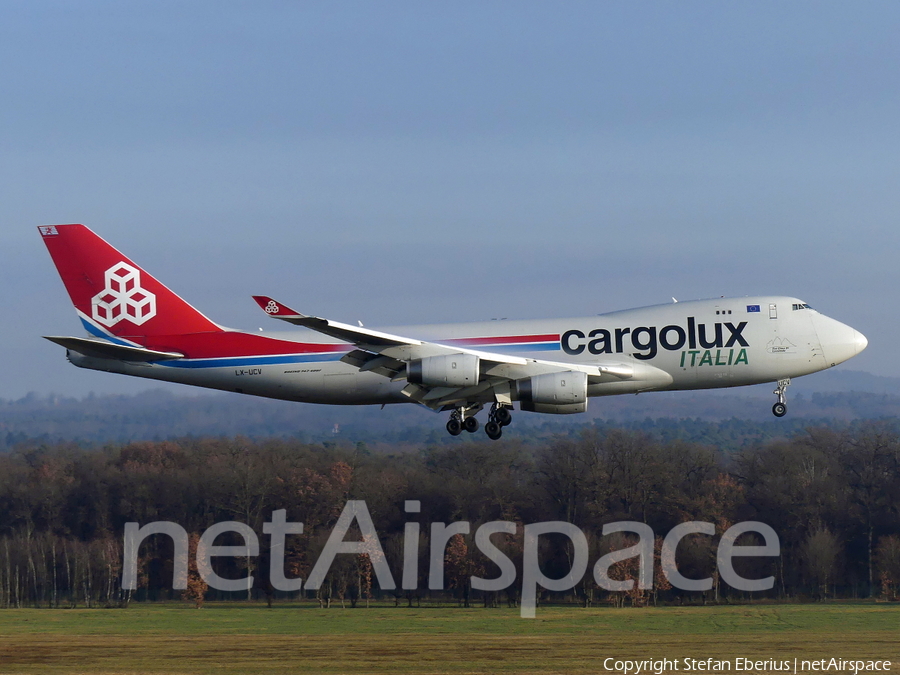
x: 780, y: 408
x: 503, y: 417
x: 454, y: 427
x: 470, y: 424
x: 493, y: 430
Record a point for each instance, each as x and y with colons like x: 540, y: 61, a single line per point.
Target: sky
x: 407, y: 162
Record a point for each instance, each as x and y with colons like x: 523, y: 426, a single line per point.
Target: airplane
x: 137, y: 326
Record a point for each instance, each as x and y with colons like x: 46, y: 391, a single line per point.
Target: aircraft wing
x: 391, y: 355
x: 342, y: 331
x: 376, y: 342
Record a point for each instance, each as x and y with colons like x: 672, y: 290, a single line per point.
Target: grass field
x: 246, y: 638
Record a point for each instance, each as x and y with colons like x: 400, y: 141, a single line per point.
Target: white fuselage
x: 686, y: 345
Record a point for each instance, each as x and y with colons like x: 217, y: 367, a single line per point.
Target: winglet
x: 276, y: 309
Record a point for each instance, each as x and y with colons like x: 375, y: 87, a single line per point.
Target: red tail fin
x: 111, y: 293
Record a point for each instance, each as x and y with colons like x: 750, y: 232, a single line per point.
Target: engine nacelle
x: 548, y: 409
x: 450, y: 370
x: 556, y: 393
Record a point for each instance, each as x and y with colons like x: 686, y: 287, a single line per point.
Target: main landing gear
x: 463, y: 419
x: 780, y: 408
x: 454, y: 424
x: 499, y: 418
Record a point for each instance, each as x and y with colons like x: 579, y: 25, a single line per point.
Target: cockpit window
x: 803, y: 305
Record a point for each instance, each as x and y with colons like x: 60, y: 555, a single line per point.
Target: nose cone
x: 859, y: 341
x: 839, y: 341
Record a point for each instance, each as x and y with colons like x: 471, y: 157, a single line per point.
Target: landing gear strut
x: 780, y: 408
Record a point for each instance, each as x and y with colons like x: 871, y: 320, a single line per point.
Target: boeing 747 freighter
x: 136, y: 326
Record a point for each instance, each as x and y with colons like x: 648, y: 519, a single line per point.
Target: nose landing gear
x: 780, y: 408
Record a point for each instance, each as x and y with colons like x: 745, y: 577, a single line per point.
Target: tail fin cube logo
x: 123, y: 298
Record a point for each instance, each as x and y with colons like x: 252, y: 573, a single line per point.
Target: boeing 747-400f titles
x: 137, y: 326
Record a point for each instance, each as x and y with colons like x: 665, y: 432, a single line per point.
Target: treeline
x: 833, y: 497
x: 730, y: 419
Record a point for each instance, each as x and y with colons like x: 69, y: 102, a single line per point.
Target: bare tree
x: 821, y: 551
x: 887, y: 558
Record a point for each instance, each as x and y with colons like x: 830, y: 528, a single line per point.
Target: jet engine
x: 449, y: 370
x: 555, y: 393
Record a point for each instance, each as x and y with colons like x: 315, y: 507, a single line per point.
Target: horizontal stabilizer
x: 102, y: 349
